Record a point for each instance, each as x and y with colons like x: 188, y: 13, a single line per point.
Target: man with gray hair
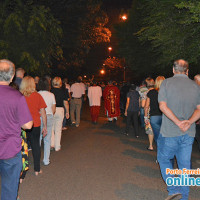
x: 14, y: 114
x: 179, y: 100
x: 19, y: 76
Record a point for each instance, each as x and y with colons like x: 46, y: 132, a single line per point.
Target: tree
x: 173, y: 29
x: 115, y: 68
x: 158, y: 32
x: 30, y: 36
x: 138, y: 55
x: 84, y: 26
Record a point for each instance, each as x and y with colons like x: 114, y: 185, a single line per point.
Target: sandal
x: 149, y: 149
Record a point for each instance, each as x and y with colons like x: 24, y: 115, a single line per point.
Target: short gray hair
x: 6, y: 72
x: 181, y: 66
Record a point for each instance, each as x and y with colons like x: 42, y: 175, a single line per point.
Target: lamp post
x: 123, y: 17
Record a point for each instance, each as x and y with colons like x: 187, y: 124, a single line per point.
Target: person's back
x: 182, y: 98
x: 134, y: 100
x: 14, y: 114
x: 10, y: 123
x: 94, y: 95
x: 179, y: 100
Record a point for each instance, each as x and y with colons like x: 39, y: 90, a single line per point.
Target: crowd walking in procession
x: 34, y: 112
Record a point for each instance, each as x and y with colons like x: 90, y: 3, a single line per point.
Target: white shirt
x: 49, y: 99
x: 77, y: 90
x: 94, y: 95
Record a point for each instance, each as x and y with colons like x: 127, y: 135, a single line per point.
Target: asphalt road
x: 97, y: 162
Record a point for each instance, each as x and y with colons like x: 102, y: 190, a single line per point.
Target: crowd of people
x: 166, y: 109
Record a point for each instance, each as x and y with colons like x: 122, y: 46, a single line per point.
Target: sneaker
x: 77, y: 125
x: 64, y: 128
x: 47, y: 164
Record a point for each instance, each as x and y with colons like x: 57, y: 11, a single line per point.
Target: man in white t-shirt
x: 77, y: 91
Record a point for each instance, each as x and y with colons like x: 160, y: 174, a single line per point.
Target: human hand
x: 125, y: 114
x: 184, y: 125
x: 44, y: 131
x: 67, y: 115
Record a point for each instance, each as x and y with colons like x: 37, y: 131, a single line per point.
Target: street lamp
x: 102, y: 71
x: 109, y: 49
x: 124, y: 17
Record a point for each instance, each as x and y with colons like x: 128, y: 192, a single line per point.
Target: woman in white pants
x: 61, y: 102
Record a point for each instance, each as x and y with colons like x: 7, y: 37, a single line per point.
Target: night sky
x: 99, y: 53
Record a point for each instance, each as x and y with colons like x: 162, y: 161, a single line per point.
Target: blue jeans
x: 47, y: 139
x: 142, y: 117
x: 181, y: 147
x: 155, y: 122
x: 10, y: 170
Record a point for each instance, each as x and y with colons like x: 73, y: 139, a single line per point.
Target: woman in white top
x: 94, y: 95
x: 49, y: 98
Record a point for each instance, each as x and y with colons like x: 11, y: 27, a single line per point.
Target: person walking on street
x: 179, y: 100
x: 132, y: 110
x: 111, y: 96
x: 14, y: 114
x: 94, y: 96
x: 77, y: 91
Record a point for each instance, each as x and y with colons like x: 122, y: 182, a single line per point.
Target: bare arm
x: 196, y: 115
x: 127, y: 105
x: 146, y: 108
x: 168, y: 112
x: 44, y: 120
x: 66, y: 104
x: 53, y: 108
x: 28, y: 125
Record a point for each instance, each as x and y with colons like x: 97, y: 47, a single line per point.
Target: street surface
x: 97, y: 162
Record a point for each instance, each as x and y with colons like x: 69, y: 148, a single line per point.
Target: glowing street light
x: 102, y: 71
x: 124, y: 17
x: 110, y: 49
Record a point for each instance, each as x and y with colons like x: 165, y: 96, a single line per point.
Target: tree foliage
x: 30, y: 35
x: 84, y: 27
x: 114, y: 63
x: 165, y: 31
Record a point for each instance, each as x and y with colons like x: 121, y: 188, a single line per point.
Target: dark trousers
x: 197, y: 136
x: 34, y: 136
x: 132, y: 118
